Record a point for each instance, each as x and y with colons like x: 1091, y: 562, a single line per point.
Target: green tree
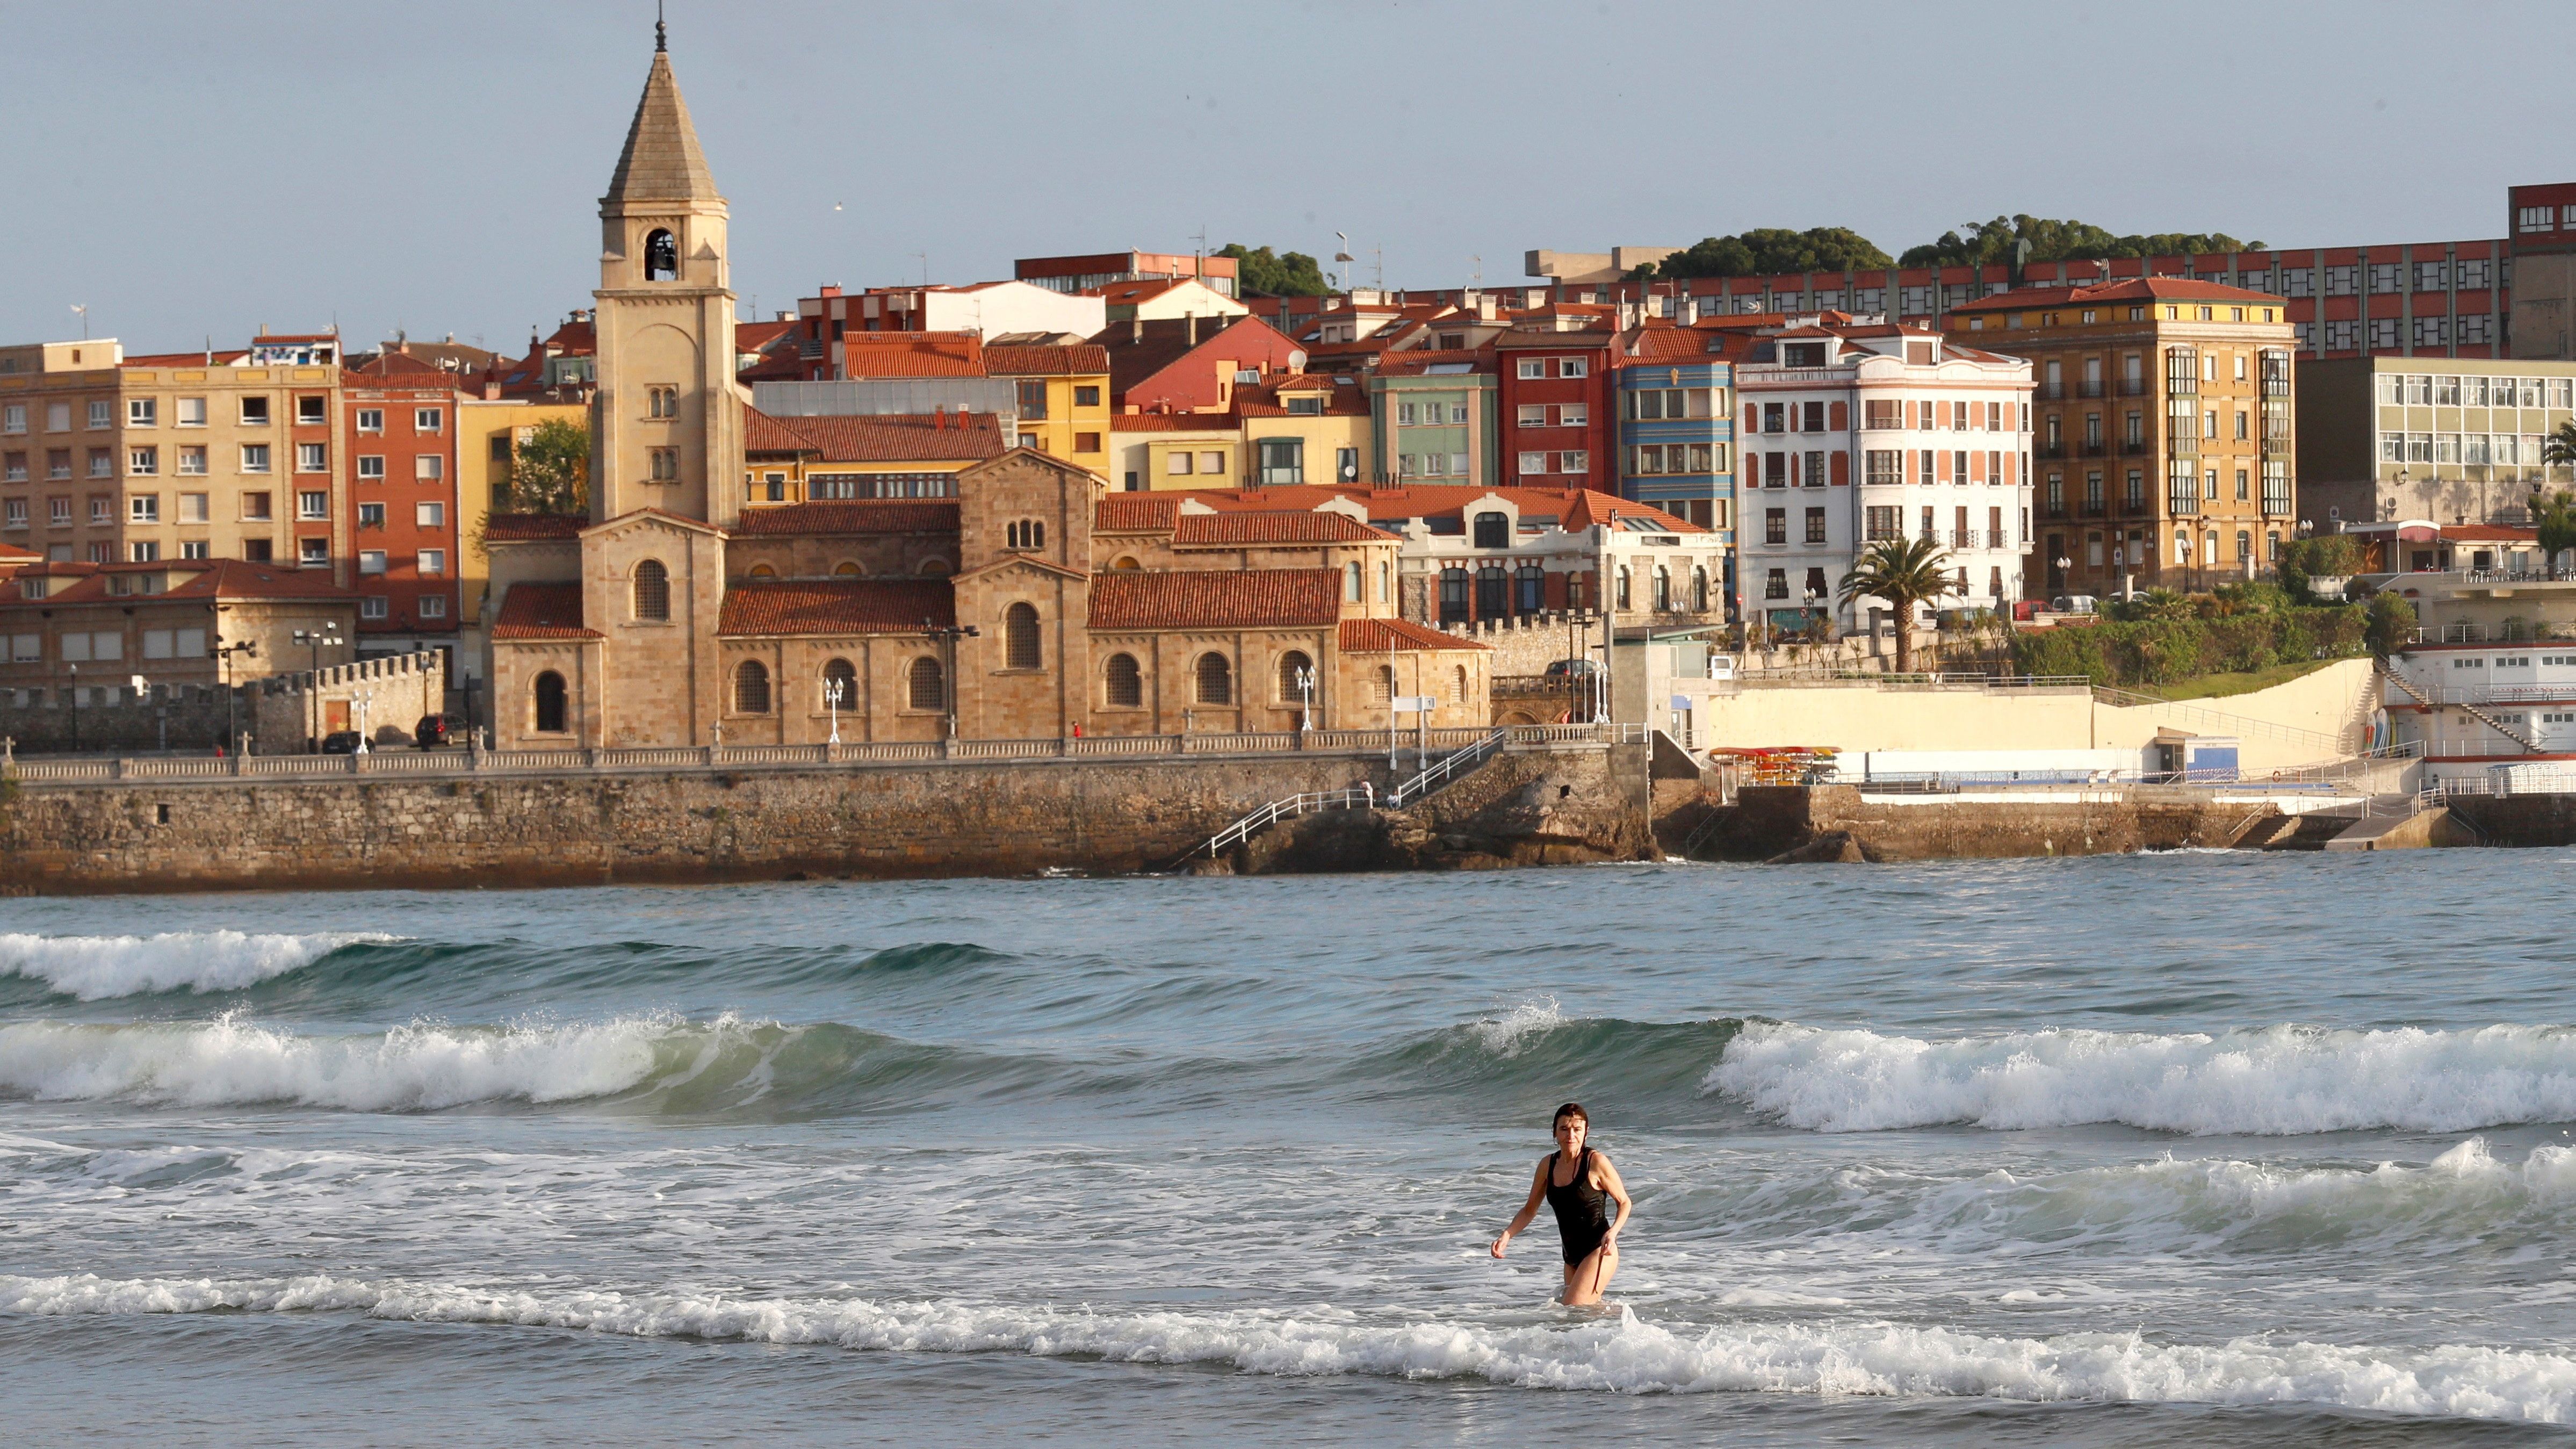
x: 1981, y: 243
x: 1765, y: 250
x: 2328, y: 555
x: 1266, y: 274
x: 550, y: 469
x: 2392, y: 622
x: 2554, y: 517
x: 2560, y: 446
x: 1905, y: 573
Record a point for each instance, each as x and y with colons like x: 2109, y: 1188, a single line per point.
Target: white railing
x: 1358, y: 797
x: 1447, y: 768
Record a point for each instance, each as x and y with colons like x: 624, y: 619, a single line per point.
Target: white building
x: 1856, y: 430
x: 989, y: 309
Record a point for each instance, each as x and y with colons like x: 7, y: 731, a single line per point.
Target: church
x: 1031, y: 603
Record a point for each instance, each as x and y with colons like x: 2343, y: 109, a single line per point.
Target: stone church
x: 1031, y: 604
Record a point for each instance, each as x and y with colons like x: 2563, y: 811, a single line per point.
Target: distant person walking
x: 1578, y: 1183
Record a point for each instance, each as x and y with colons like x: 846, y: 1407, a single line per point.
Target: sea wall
x: 2518, y: 819
x: 588, y: 828
x: 1838, y: 822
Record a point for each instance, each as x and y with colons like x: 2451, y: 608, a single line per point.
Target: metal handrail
x: 1441, y: 770
x: 1358, y: 797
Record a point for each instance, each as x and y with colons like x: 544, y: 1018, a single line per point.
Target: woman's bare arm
x: 1618, y: 1191
x: 1529, y: 1209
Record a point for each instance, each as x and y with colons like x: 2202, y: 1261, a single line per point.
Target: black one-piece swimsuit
x: 1582, y: 1210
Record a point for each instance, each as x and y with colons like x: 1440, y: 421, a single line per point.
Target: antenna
x: 83, y: 309
x: 1476, y: 278
x: 1342, y: 254
x: 1379, y: 252
x: 925, y: 267
x: 659, y: 40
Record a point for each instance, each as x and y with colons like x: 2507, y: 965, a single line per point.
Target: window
x: 17, y: 517
x: 102, y: 509
x: 1290, y: 665
x: 143, y: 508
x: 549, y: 703
x: 1020, y: 638
x: 1493, y: 530
x: 429, y: 515
x: 1573, y: 460
x: 102, y: 413
x: 313, y: 504
x: 371, y: 560
x: 1663, y: 585
x: 1025, y: 533
x: 652, y: 590
x: 254, y: 412
x: 1531, y: 367
x: 1815, y: 525
x: 660, y: 402
x: 1573, y: 415
x: 1123, y: 684
x: 313, y: 553
x: 1215, y: 676
x: 1212, y: 463
x: 427, y: 420
x: 58, y: 417
x: 1775, y: 525
x: 13, y: 418
x: 1573, y: 367
x: 433, y: 606
x: 143, y: 462
x: 664, y: 464
x: 925, y: 684
x: 371, y: 420
x: 432, y: 562
x: 2383, y: 332
x: 371, y: 515
x: 1282, y: 461
x: 254, y: 457
x: 102, y: 463
x: 312, y: 458
x: 751, y: 687
x: 1775, y: 584
x: 1883, y: 523
x: 1529, y: 589
x: 1623, y: 601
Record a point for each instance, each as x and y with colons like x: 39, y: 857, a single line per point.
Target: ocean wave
x: 2276, y: 1080
x: 1624, y: 1354
x: 1534, y: 1051
x: 95, y: 967
x: 658, y: 1063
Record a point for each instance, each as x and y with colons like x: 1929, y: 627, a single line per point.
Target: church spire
x: 662, y: 160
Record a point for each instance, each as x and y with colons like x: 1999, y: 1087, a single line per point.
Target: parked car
x: 1566, y: 670
x: 340, y: 742
x: 2074, y: 604
x: 435, y: 730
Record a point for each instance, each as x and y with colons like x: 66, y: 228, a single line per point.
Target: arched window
x: 1663, y: 590
x: 652, y: 590
x: 1289, y: 664
x: 1699, y: 590
x: 1530, y: 589
x: 763, y: 571
x: 1020, y: 638
x: 1623, y: 587
x: 1351, y: 582
x: 1385, y: 684
x: 751, y: 687
x: 1493, y: 592
x: 1461, y: 694
x: 550, y: 703
x: 1025, y: 533
x: 1493, y: 530
x: 848, y: 568
x: 926, y: 687
x: 1125, y: 565
x: 661, y: 257
x: 1216, y: 679
x: 840, y: 684
x: 934, y: 567
x: 1125, y: 683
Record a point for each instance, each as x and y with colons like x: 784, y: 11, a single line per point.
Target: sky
x: 189, y: 170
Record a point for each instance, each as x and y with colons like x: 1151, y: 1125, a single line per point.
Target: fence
x: 474, y: 763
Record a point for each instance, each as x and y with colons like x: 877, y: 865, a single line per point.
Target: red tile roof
x: 1052, y: 361
x: 13, y: 551
x: 890, y: 438
x: 1137, y: 513
x: 871, y: 516
x: 1217, y: 599
x: 1391, y: 636
x: 2488, y: 533
x: 1237, y: 529
x: 1422, y: 360
x: 542, y: 611
x: 1173, y: 422
x: 222, y: 357
x: 912, y: 354
x: 837, y: 606
x: 2131, y: 289
x: 533, y: 527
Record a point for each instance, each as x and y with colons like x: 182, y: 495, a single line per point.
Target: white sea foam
x: 93, y: 967
x: 1506, y: 1034
x: 426, y: 1065
x: 1625, y: 1354
x: 2277, y: 1080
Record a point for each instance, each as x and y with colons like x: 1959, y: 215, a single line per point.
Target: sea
x: 2203, y: 1147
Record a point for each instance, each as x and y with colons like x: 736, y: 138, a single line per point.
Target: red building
x: 399, y: 419
x: 1555, y: 399
x: 1191, y: 364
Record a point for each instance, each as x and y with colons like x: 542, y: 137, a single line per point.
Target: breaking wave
x: 95, y: 967
x: 1625, y: 1354
x: 2277, y: 1080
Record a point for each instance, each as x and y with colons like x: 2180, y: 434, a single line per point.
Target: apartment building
x: 1677, y: 425
x: 2163, y: 433
x: 1857, y: 430
x: 61, y: 409
x: 404, y: 425
x: 1554, y: 370
x: 990, y: 310
x: 2458, y: 442
x: 1434, y: 417
x: 1099, y: 269
x: 1060, y: 396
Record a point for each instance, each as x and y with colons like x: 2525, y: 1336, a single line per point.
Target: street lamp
x: 223, y: 655
x: 1306, y: 698
x: 832, y: 701
x: 75, y: 672
x: 361, y: 700
x: 317, y: 640
x: 948, y: 635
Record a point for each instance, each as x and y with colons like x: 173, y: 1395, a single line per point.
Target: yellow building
x: 1063, y: 395
x: 838, y: 458
x: 1303, y: 428
x: 1156, y: 451
x: 489, y: 431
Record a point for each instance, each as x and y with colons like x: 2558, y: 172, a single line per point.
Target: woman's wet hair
x: 1570, y: 1109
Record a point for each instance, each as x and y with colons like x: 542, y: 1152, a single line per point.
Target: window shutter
x: 1841, y: 420
x: 1842, y: 461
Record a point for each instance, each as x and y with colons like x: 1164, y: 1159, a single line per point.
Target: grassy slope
x: 2219, y: 686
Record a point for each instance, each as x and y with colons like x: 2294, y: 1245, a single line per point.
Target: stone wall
x: 700, y: 825
x: 288, y: 713
x: 1529, y: 644
x: 1836, y: 822
x: 165, y: 717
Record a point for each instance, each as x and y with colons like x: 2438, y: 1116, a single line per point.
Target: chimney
x: 1135, y: 330
x: 1191, y: 322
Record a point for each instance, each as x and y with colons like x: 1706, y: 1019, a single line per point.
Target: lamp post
x: 316, y: 640
x: 1306, y: 698
x: 832, y: 701
x: 75, y: 673
x: 948, y: 635
x: 361, y: 699
x: 223, y: 654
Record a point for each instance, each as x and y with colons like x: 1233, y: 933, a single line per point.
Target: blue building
x: 1677, y: 428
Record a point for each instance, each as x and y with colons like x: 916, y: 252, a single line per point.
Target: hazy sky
x: 187, y: 168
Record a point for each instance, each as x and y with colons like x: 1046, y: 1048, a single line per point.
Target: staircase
x: 1439, y: 775
x: 2511, y: 732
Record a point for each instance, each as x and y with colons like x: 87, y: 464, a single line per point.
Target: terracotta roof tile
x: 1051, y: 361
x: 912, y: 354
x: 837, y: 606
x: 872, y: 516
x: 1137, y: 513
x: 533, y: 527
x: 1236, y: 529
x: 1217, y: 599
x: 542, y: 611
x: 889, y: 438
x: 1173, y: 422
x: 1391, y: 636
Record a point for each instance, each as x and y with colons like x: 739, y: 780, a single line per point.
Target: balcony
x: 2133, y: 387
x: 2092, y: 388
x: 2052, y: 392
x: 2093, y: 508
x: 2136, y: 449
x: 2054, y: 511
x: 2052, y: 450
x: 2093, y: 448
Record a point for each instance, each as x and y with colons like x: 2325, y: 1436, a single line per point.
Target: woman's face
x: 1569, y: 1133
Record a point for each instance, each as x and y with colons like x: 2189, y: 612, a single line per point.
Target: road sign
x: 1415, y: 704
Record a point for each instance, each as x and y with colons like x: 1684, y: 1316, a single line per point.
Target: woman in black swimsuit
x: 1579, y: 1183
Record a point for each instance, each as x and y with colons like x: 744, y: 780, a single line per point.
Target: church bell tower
x: 666, y: 423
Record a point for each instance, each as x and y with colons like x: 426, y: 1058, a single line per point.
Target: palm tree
x: 2559, y: 448
x: 2553, y: 516
x: 1905, y: 574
